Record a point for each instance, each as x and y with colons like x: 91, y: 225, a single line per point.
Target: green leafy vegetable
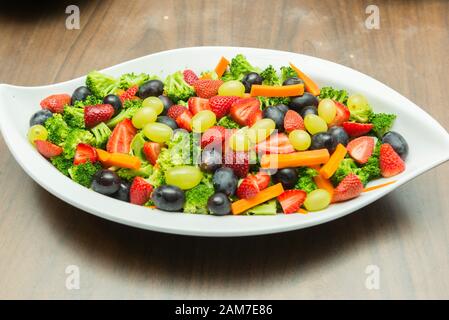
x: 75, y: 137
x: 74, y: 117
x: 228, y: 123
x: 62, y: 164
x: 238, y: 68
x: 128, y: 80
x: 196, y: 198
x: 101, y: 134
x: 270, y: 77
x: 84, y: 172
x: 334, y: 94
x: 176, y: 88
x: 57, y: 129
x: 273, y: 101
x: 101, y: 84
x: 144, y: 171
x: 382, y: 123
x: 305, y: 180
x: 91, y: 100
x: 287, y: 72
x: 130, y: 108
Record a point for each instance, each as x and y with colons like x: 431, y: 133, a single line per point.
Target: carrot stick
x: 334, y: 161
x: 277, y: 91
x: 221, y: 66
x: 302, y: 211
x: 379, y: 186
x: 295, y: 159
x: 310, y: 85
x: 323, y: 183
x: 121, y: 160
x: 242, y: 205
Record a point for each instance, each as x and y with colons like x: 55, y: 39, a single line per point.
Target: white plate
x: 428, y: 141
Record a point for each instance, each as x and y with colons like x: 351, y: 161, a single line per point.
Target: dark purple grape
x: 80, y: 94
x: 225, y: 181
x: 219, y: 204
x: 250, y: 79
x: 211, y: 160
x: 123, y: 191
x: 168, y: 121
x: 40, y: 117
x: 339, y: 134
x: 299, y: 102
x: 276, y: 115
x: 114, y: 101
x: 152, y: 88
x: 168, y: 198
x: 308, y: 110
x: 166, y: 101
x: 397, y: 142
x: 287, y: 176
x: 292, y: 81
x: 106, y: 182
x: 323, y: 140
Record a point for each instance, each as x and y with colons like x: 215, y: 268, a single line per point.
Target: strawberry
x: 197, y: 104
x: 361, y: 148
x: 184, y: 120
x: 293, y: 121
x: 355, y: 129
x: 341, y: 116
x: 390, y: 162
x: 221, y: 105
x: 96, y: 114
x: 276, y: 143
x: 56, y: 102
x: 215, y: 135
x: 140, y: 191
x: 121, y: 137
x: 174, y: 111
x: 238, y: 162
x: 129, y: 94
x: 350, y: 187
x: 47, y: 149
x: 252, y: 184
x: 151, y: 150
x: 262, y: 179
x: 246, y: 111
x: 84, y: 153
x: 207, y: 88
x: 190, y: 77
x: 292, y: 200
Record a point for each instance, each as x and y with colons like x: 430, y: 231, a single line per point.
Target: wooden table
x: 405, y: 235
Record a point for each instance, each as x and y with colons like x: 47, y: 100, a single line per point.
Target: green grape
x: 37, y: 132
x: 315, y: 124
x: 155, y: 103
x: 261, y: 130
x: 143, y: 117
x: 203, y: 120
x: 300, y: 139
x: 232, y: 88
x: 184, y: 177
x: 357, y: 102
x: 158, y: 132
x: 327, y: 110
x: 239, y: 141
x: 318, y: 199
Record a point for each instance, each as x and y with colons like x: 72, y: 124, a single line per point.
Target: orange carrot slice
x: 121, y: 160
x: 310, y: 85
x: 334, y: 161
x: 221, y: 66
x: 269, y: 193
x: 379, y: 186
x: 295, y: 159
x: 277, y: 91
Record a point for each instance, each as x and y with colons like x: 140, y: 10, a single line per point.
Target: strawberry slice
x: 293, y: 121
x: 56, y: 102
x: 151, y: 150
x: 184, y: 120
x: 355, y: 129
x: 140, y: 191
x: 121, y: 137
x: 221, y: 105
x: 361, y: 148
x: 262, y: 179
x: 292, y: 200
x: 252, y: 184
x: 84, y: 153
x: 197, y: 104
x: 349, y: 188
x: 246, y: 111
x: 341, y: 116
x: 175, y: 111
x: 47, y: 149
x: 215, y: 135
x: 190, y: 77
x: 96, y: 114
x: 238, y: 162
x: 276, y: 143
x: 390, y: 162
x: 129, y: 94
x: 207, y: 88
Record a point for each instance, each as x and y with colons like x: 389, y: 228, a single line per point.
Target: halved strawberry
x: 121, y: 137
x: 245, y: 111
x: 197, y: 104
x: 238, y: 162
x: 190, y: 77
x: 207, y: 88
x: 151, y: 150
x: 84, y: 153
x: 247, y: 189
x: 96, y: 114
x: 361, y: 148
x: 47, y: 149
x: 262, y: 179
x: 341, y: 116
x: 184, y: 120
x: 140, y: 191
x: 292, y: 200
x: 276, y: 143
x: 355, y: 129
x: 349, y: 188
x: 293, y: 121
x: 56, y: 102
x: 176, y: 110
x: 214, y: 135
x: 221, y: 105
x: 390, y: 162
x: 129, y: 94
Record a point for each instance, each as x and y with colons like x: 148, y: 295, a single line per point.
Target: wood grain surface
x: 405, y: 234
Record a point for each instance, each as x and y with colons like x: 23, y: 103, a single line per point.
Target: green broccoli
x: 101, y: 134
x: 305, y: 181
x: 270, y: 77
x: 183, y: 103
x: 75, y: 137
x: 238, y: 68
x: 228, y: 123
x: 287, y: 73
x: 348, y: 166
x: 84, y: 172
x: 157, y: 178
x: 176, y: 88
x: 196, y: 198
x: 57, y: 129
x: 266, y: 208
x: 74, y: 117
x: 62, y: 164
x: 360, y: 113
x: 125, y: 113
x: 334, y: 94
x: 371, y: 168
x: 273, y: 101
x: 101, y: 84
x: 382, y: 123
x: 91, y: 100
x: 144, y: 171
x: 128, y: 80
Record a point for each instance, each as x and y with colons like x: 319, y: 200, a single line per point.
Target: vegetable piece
x: 176, y: 88
x: 118, y: 159
x: 296, y: 159
x: 306, y: 180
x: 287, y: 73
x: 382, y: 123
x: 310, y: 85
x: 334, y: 94
x: 228, y: 123
x: 277, y: 91
x: 75, y: 137
x: 101, y: 84
x: 90, y: 100
x: 197, y: 197
x: 267, y: 208
x: 128, y: 80
x: 359, y: 108
x: 264, y: 195
x: 379, y: 186
x: 130, y: 108
x: 74, y: 117
x: 238, y: 68
x: 334, y: 161
x: 62, y: 164
x: 128, y: 174
x: 83, y: 173
x: 323, y: 183
x: 101, y: 134
x: 273, y: 101
x: 57, y: 129
x: 270, y: 77
x: 221, y: 67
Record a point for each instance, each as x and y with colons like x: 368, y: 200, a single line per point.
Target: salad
x: 238, y: 139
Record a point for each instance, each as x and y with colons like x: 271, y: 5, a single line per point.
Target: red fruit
x: 184, y: 120
x: 129, y: 94
x: 360, y: 149
x: 197, y: 104
x: 390, y: 162
x: 276, y: 143
x: 245, y: 111
x: 96, y: 114
x: 140, y: 191
x: 215, y: 135
x: 341, y: 116
x: 47, y: 149
x: 221, y: 105
x: 238, y: 162
x: 247, y: 189
x: 121, y: 137
x: 175, y: 111
x: 354, y: 129
x: 207, y: 88
x: 151, y: 151
x: 56, y: 102
x: 84, y: 153
x: 293, y: 121
x: 190, y: 77
x: 262, y: 179
x: 349, y: 188
x: 292, y: 200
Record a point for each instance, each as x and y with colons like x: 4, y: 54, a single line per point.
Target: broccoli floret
x: 360, y: 113
x: 382, y: 123
x: 228, y: 123
x: 334, y: 94
x: 346, y: 167
x: 128, y: 80
x: 287, y: 73
x: 196, y: 198
x: 62, y: 164
x: 267, y: 208
x: 273, y: 101
x: 270, y: 76
x: 101, y: 84
x: 91, y: 100
x: 57, y: 129
x: 371, y: 168
x: 75, y: 137
x: 101, y: 134
x: 238, y: 68
x: 74, y: 117
x: 84, y: 172
x: 157, y: 178
x: 144, y: 171
x: 128, y: 111
x: 183, y: 103
x: 305, y: 181
x: 176, y: 88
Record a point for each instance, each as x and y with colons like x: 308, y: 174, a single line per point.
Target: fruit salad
x: 237, y: 139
